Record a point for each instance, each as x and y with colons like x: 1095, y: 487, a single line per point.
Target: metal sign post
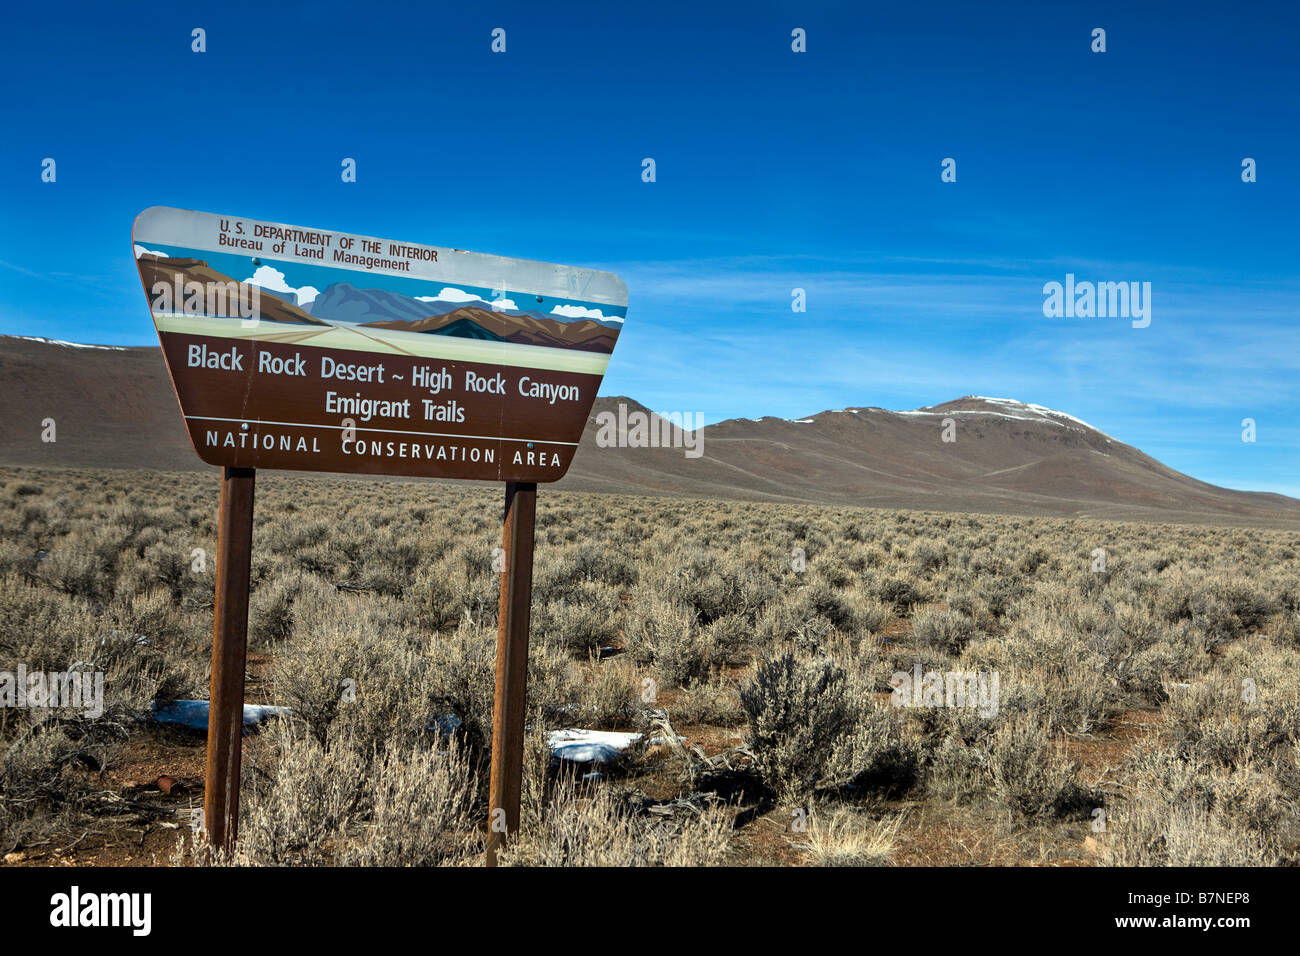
x: 229, y: 653
x: 512, y: 667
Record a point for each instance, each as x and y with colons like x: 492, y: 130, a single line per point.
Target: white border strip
x: 199, y: 231
x: 382, y: 431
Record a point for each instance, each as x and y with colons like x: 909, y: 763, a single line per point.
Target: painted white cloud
x: 449, y: 294
x: 142, y: 251
x: 273, y: 280
x: 582, y: 312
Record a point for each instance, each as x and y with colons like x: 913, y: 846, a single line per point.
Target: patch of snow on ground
x: 592, y: 746
x: 589, y: 746
x: 1031, y: 407
x: 1030, y: 413
x: 70, y: 345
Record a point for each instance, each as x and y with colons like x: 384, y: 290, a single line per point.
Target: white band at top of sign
x: 204, y: 231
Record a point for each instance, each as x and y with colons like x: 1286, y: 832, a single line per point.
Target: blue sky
x: 775, y: 171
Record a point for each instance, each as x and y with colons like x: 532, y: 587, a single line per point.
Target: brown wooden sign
x: 324, y: 351
x: 311, y: 350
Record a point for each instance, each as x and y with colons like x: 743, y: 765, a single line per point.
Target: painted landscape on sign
x: 382, y: 310
x: 299, y: 349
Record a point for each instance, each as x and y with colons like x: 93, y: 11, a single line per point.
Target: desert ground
x: 1147, y: 709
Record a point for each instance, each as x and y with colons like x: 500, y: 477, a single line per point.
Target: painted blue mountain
x: 344, y: 302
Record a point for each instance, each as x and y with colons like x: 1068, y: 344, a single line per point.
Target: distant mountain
x: 344, y: 302
x: 1008, y: 457
x: 272, y: 308
x: 584, y: 334
x: 115, y: 408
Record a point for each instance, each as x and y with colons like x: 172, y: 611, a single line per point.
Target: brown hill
x: 1008, y: 457
x: 585, y: 335
x: 115, y: 408
x: 155, y: 269
x: 112, y: 407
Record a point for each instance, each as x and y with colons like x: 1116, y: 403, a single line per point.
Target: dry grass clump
x: 847, y: 839
x: 596, y: 828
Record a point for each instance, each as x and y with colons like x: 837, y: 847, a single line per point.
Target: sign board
x: 318, y: 350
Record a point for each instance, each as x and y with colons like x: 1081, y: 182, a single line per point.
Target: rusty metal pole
x: 229, y: 652
x: 512, y: 667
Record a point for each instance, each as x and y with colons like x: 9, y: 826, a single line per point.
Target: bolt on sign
x: 314, y: 350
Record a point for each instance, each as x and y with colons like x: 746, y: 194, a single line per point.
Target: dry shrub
x: 1025, y: 777
x: 1216, y: 719
x: 422, y: 811
x: 1148, y: 832
x: 557, y: 577
x: 450, y: 590
x: 271, y: 606
x: 300, y: 815
x: 793, y: 623
x: 606, y: 699
x: 352, y: 668
x: 869, y: 615
x: 584, y: 621
x: 1185, y: 810
x: 943, y: 630
x: 812, y: 727
x: 664, y: 635
x: 713, y: 586
x: 714, y: 702
x: 1005, y: 759
x: 74, y: 571
x: 1043, y: 649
